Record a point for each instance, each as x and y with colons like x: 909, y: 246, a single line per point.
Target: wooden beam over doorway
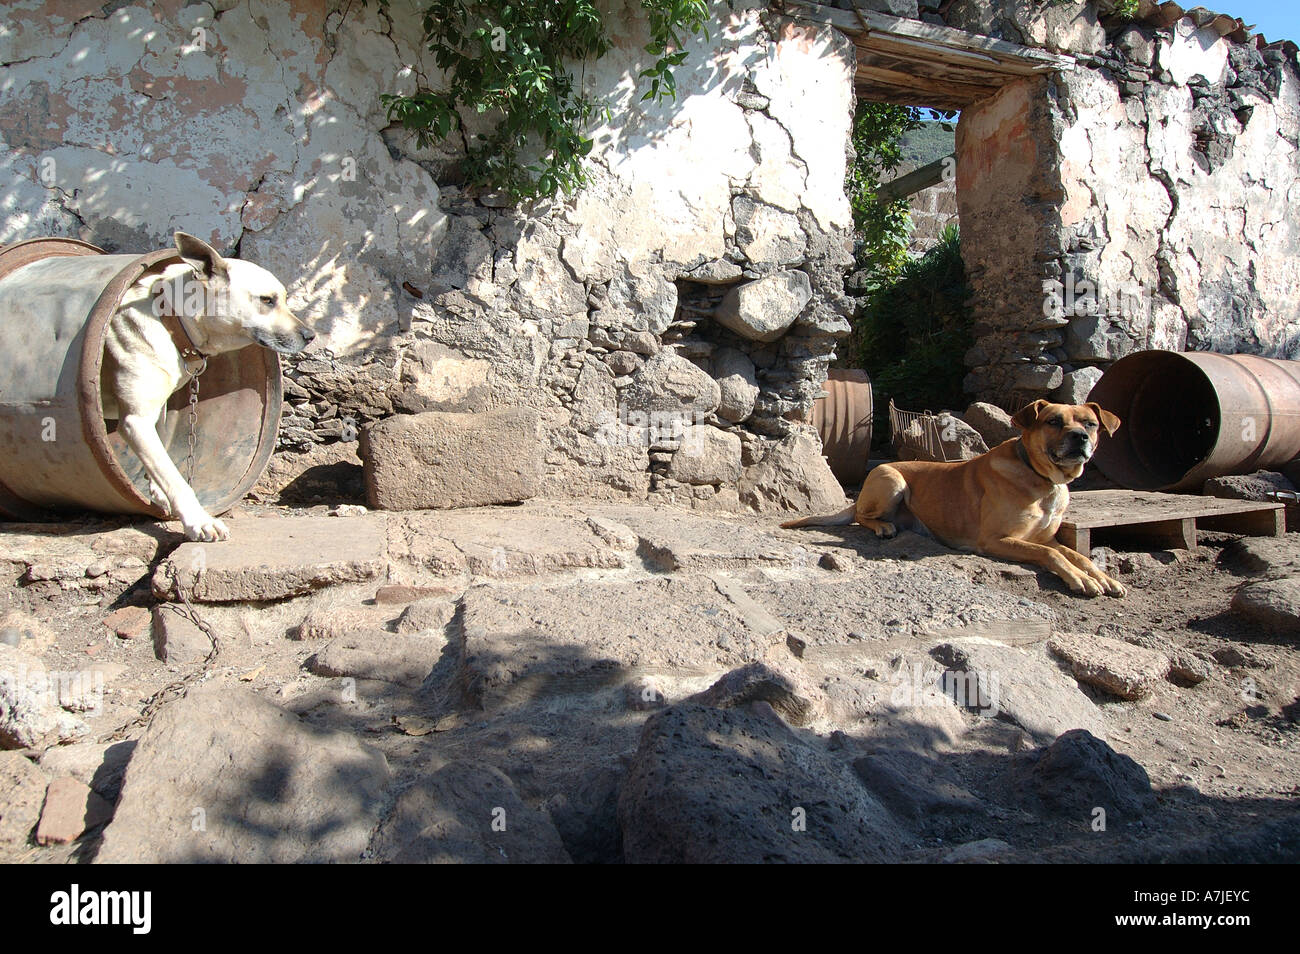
x: 913, y: 63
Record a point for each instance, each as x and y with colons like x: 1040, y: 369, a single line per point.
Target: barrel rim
x: 1112, y: 459
x: 88, y: 387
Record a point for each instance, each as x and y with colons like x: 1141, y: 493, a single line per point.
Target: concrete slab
x: 500, y: 542
x: 273, y: 557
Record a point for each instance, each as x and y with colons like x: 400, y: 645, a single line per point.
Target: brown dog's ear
x: 1028, y: 415
x: 1108, y: 420
x: 201, y: 256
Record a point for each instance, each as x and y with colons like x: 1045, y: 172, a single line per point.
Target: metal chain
x: 194, y: 417
x: 174, y: 689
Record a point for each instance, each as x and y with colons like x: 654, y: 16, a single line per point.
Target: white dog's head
x: 245, y: 300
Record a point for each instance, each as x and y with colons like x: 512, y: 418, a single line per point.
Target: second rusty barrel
x: 843, y: 419
x: 1190, y: 416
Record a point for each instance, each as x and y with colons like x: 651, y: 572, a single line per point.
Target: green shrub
x: 911, y: 335
x: 515, y: 62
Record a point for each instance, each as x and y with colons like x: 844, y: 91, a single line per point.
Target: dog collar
x: 195, y: 361
x: 193, y: 358
x: 1024, y: 458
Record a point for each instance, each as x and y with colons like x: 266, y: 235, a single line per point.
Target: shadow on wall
x: 126, y: 131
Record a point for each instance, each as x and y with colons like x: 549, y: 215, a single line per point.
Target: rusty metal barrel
x: 57, y: 451
x: 843, y: 419
x: 1190, y: 416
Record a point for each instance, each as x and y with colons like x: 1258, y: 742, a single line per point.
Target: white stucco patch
x: 1191, y: 52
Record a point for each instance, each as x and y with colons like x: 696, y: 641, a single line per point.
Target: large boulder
x: 707, y: 455
x: 738, y: 383
x: 222, y: 775
x: 739, y: 786
x: 1078, y: 774
x: 438, y: 460
x: 1077, y: 385
x: 1274, y: 604
x: 1256, y: 487
x: 1124, y: 670
x: 466, y: 813
x: 762, y: 310
x: 991, y: 423
x: 792, y: 476
x: 668, y: 384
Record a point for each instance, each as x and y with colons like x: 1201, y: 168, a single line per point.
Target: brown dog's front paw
x: 1114, y: 587
x: 1084, y: 586
x: 886, y: 531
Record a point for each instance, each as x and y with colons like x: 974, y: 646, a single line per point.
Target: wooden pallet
x: 1165, y: 521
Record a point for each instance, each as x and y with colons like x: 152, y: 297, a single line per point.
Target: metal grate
x: 920, y: 426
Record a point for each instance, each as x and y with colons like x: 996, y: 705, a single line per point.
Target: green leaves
x: 912, y: 332
x: 513, y: 60
x: 882, y: 227
x: 1127, y: 9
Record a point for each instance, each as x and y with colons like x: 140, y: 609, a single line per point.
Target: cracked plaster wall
x: 257, y: 124
x: 1142, y: 201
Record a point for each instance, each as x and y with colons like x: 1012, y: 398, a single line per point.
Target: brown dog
x: 1007, y: 503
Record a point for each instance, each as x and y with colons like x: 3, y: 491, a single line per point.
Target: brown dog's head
x: 1061, y: 438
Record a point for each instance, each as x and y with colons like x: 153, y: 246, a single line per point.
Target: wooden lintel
x: 944, y: 70
x: 892, y: 94
x: 922, y: 83
x: 992, y: 67
x: 959, y: 40
x: 858, y: 22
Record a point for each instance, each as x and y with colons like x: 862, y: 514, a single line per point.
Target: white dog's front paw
x: 205, y: 528
x: 156, y: 494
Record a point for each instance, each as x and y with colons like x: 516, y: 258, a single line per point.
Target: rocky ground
x: 609, y: 682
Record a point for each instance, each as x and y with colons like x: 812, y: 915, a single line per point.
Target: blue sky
x: 1276, y: 19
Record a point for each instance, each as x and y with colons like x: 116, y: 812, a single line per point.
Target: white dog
x: 222, y: 305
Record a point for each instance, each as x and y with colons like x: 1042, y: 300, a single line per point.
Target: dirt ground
x: 1223, y: 756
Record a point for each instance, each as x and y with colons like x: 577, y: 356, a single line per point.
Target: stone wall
x: 258, y: 125
x: 1140, y: 201
x: 932, y: 211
